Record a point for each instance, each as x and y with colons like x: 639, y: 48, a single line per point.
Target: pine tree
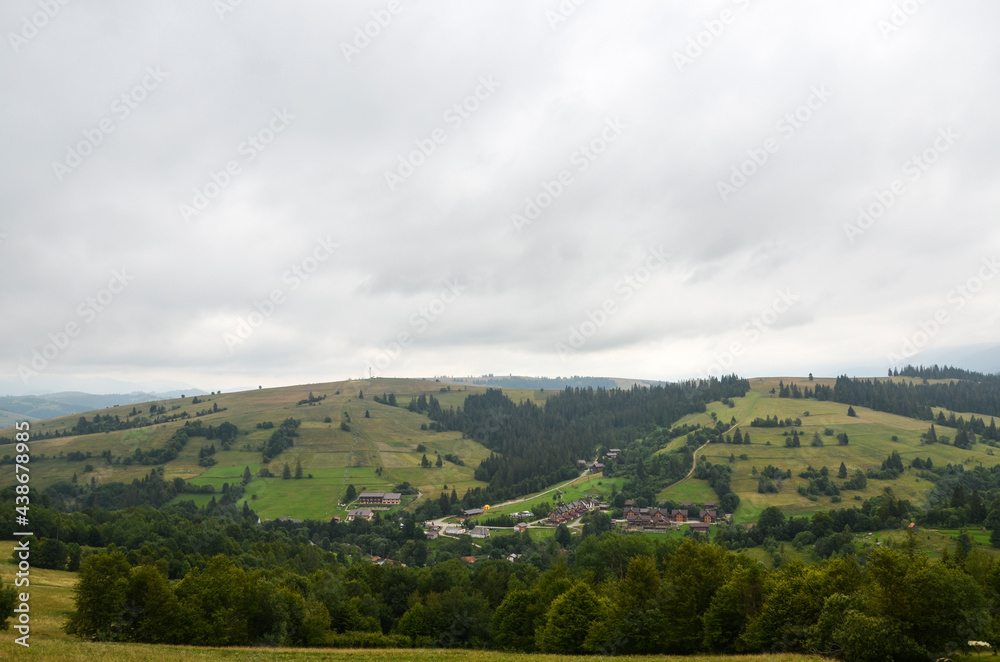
x: 351, y: 495
x: 842, y: 473
x: 851, y: 412
x: 247, y: 476
x: 424, y: 462
x: 286, y: 473
x: 298, y: 468
x: 367, y: 414
x: 439, y: 462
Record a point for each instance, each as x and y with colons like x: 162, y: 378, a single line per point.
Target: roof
x: 392, y: 495
x: 700, y: 526
x: 361, y: 512
x: 370, y: 495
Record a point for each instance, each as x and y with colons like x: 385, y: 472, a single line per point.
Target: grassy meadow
x: 870, y: 442
x: 387, y: 440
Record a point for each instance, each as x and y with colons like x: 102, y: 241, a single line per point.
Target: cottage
x: 454, y: 531
x: 708, y: 516
x: 520, y: 526
x: 709, y: 505
x: 597, y: 466
x: 700, y: 527
x: 679, y: 515
x: 480, y: 532
x: 629, y: 503
x: 363, y: 513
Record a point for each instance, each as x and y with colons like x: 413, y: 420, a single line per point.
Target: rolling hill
x: 339, y: 446
x: 375, y: 453
x: 871, y: 440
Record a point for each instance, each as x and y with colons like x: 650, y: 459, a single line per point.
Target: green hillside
x: 870, y: 436
x: 385, y: 443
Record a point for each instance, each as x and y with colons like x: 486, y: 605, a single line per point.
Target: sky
x: 225, y: 194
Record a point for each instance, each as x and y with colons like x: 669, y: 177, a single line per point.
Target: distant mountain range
x: 36, y: 407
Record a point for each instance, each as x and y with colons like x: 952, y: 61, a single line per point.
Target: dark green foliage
x: 281, y: 439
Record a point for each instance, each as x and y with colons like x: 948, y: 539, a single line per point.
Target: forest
x: 176, y: 575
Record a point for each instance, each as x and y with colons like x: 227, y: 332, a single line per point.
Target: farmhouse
x: 480, y: 532
x: 596, y: 466
x: 363, y: 513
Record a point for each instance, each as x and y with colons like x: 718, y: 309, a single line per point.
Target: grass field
x: 385, y: 440
x: 63, y: 651
x: 870, y: 434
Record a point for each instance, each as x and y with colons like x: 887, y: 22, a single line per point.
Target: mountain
x: 35, y: 407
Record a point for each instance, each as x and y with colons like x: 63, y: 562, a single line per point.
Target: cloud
x: 414, y: 138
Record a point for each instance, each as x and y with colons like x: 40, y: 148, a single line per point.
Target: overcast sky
x: 657, y: 190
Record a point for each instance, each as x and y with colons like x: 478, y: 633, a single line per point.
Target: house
x: 700, y: 527
x: 680, y: 515
x: 524, y: 514
x: 687, y: 504
x: 708, y: 516
x: 513, y: 557
x: 431, y: 534
x: 454, y: 531
x: 380, y: 498
x: 469, y: 559
x: 472, y: 512
x: 709, y: 505
x: 613, y: 453
x: 596, y: 466
x: 629, y: 503
x: 520, y: 526
x: 364, y: 513
x: 480, y: 532
x: 570, y: 511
